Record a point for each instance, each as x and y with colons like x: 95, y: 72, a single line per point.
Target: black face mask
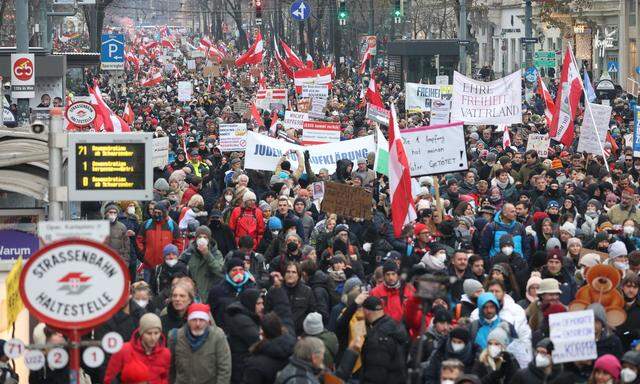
x: 216, y: 223
x: 158, y: 218
x: 292, y: 247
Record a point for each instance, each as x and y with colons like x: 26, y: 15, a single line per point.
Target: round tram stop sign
x: 74, y: 284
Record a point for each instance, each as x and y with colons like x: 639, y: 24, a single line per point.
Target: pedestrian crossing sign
x: 613, y: 66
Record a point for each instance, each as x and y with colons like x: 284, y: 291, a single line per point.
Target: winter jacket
x: 490, y: 374
x: 153, y: 237
x: 609, y: 343
x: 630, y: 329
x: 301, y: 301
x: 330, y: 347
x: 297, y: 372
x: 157, y: 362
x: 324, y: 292
x: 223, y: 236
x: 393, y: 302
x: 119, y: 241
x: 534, y: 375
x: 209, y: 364
x: 242, y: 327
x: 443, y: 352
x: 492, y: 232
x: 171, y: 319
x: 223, y: 294
x: 205, y: 270
x: 568, y: 284
x: 267, y: 358
x: 383, y: 353
x: 617, y: 215
x: 247, y: 222
x: 164, y: 274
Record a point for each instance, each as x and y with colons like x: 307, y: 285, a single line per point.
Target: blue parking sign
x: 112, y: 52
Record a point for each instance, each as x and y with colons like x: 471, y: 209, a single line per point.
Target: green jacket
x: 205, y: 270
x: 209, y: 364
x: 330, y: 347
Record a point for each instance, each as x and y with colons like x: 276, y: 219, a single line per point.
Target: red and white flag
x: 168, y: 43
x: 506, y: 139
x: 283, y: 63
x: 206, y: 42
x: 127, y: 115
x: 155, y: 79
x: 365, y: 60
x: 318, y: 76
x: 110, y: 121
x: 290, y: 57
x: 403, y: 210
x: 549, y: 106
x: 567, y: 99
x: 256, y: 115
x: 309, y: 61
x: 372, y: 95
x: 254, y: 54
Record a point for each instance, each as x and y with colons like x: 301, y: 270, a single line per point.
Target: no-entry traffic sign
x: 74, y: 284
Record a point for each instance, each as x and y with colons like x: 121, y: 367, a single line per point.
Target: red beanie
x: 419, y: 227
x: 134, y: 372
x: 539, y: 216
x: 609, y: 364
x: 199, y: 311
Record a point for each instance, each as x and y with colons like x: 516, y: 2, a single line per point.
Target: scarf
x: 239, y: 286
x: 196, y: 341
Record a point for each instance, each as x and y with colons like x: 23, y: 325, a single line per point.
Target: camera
x: 38, y: 127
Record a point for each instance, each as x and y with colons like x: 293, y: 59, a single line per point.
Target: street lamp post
x: 528, y: 34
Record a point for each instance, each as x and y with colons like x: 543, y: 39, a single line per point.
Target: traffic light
x: 342, y: 12
x: 397, y: 8
x: 258, y: 5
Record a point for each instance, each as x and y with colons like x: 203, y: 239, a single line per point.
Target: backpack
x: 247, y: 222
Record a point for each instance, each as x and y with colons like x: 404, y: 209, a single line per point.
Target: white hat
x: 617, y: 249
x: 248, y: 196
x: 569, y: 227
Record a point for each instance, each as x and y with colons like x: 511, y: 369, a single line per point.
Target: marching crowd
x: 239, y: 276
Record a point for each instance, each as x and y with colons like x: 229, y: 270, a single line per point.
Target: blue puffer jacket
x: 492, y: 232
x: 483, y: 327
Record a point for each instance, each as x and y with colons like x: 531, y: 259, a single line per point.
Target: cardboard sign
x: 347, y: 201
x: 229, y: 61
x: 377, y: 114
x: 435, y: 149
x: 540, y: 143
x: 572, y: 336
x: 320, y: 132
x: 233, y: 137
x: 315, y: 90
x: 240, y: 107
x: 294, y: 120
x: 211, y: 71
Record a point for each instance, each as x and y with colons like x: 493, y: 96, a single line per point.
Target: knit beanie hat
x: 149, y: 321
x: 553, y: 243
x: 134, y: 372
x: 350, y: 284
x: 569, y: 227
x: 274, y: 223
x: 500, y: 335
x: 232, y: 263
x: 505, y: 240
x: 248, y: 196
x: 599, y: 313
x: 110, y: 207
x: 170, y: 249
x: 264, y: 206
x: 460, y: 333
x: 609, y: 364
x: 469, y: 286
x: 162, y: 185
x: 617, y: 249
x: 312, y: 324
x: 390, y: 266
x: 203, y: 230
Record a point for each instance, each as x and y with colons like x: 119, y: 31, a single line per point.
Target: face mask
x: 131, y: 210
x: 629, y: 229
x: 171, y: 263
x: 159, y: 217
x: 238, y: 277
x: 112, y: 217
x: 542, y: 361
x: 292, y: 247
x: 141, y: 303
x: 494, y: 350
x: 447, y: 381
x: 285, y: 192
x: 202, y: 242
x: 228, y: 198
x: 275, y: 233
x: 507, y: 250
x: 621, y: 265
x: 628, y: 375
x: 457, y: 347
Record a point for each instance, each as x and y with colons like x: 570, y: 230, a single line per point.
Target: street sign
x: 51, y: 231
x: 112, y: 52
x: 529, y: 40
x: 117, y: 166
x: 300, y: 10
x: 74, y: 284
x: 544, y: 59
x: 531, y: 74
x: 80, y: 113
x: 613, y: 66
x: 23, y: 76
x: 464, y: 42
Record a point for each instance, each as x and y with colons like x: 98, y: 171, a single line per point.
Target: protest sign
x: 191, y: 65
x: 160, y: 151
x: 317, y: 108
x: 418, y: 96
x: 435, y: 149
x: 233, y: 137
x: 636, y: 131
x: 442, y: 80
x: 440, y: 111
x: 603, y: 255
x: 240, y: 107
x: 229, y: 61
x: 266, y: 97
x: 320, y: 132
x: 539, y: 143
x: 185, y: 90
x: 494, y: 102
x: 377, y: 114
x: 315, y: 90
x: 588, y: 141
x: 294, y: 120
x: 304, y: 105
x: 318, y: 190
x: 346, y: 201
x: 263, y: 152
x: 573, y: 336
x: 211, y: 71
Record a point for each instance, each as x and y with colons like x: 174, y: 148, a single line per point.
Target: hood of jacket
x: 498, y: 220
x: 279, y: 348
x: 485, y: 298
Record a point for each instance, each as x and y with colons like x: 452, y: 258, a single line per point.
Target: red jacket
x: 188, y: 194
x: 247, y: 222
x: 158, y: 361
x: 154, y: 236
x: 413, y: 315
x: 391, y: 300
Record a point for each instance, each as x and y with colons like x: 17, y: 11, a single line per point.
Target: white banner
x: 539, y: 143
x: 263, y: 152
x: 435, y: 149
x: 233, y: 137
x: 294, y: 120
x: 315, y: 90
x: 161, y: 151
x: 418, y: 96
x: 572, y: 336
x: 495, y: 102
x: 185, y: 90
x: 440, y: 111
x: 588, y: 141
x: 320, y: 132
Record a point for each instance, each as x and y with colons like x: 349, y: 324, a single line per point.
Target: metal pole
x: 55, y: 165
x: 528, y: 33
x: 463, y: 36
x: 22, y: 45
x: 371, y: 17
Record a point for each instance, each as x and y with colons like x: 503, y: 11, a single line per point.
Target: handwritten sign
x: 573, y: 336
x: 315, y: 90
x: 435, y: 149
x: 294, y: 120
x: 161, y: 151
x: 185, y: 90
x: 347, y: 201
x: 539, y: 143
x: 588, y: 141
x: 317, y: 108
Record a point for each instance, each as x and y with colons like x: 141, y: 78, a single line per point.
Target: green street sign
x: 544, y: 59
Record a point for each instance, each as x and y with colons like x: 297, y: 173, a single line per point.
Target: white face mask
x: 441, y: 257
x: 202, y: 242
x: 142, y: 303
x: 507, y: 250
x: 494, y: 350
x: 542, y: 361
x: 228, y: 198
x: 112, y: 217
x: 629, y: 230
x: 172, y: 262
x: 457, y: 347
x: 621, y: 265
x: 131, y: 210
x: 447, y: 381
x: 628, y: 375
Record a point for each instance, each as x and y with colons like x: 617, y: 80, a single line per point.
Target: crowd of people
x: 240, y: 276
